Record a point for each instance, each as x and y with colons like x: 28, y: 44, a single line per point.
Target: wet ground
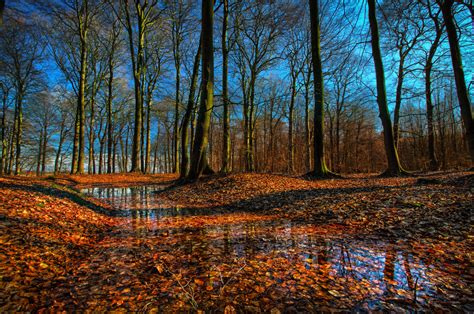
x: 206, y: 259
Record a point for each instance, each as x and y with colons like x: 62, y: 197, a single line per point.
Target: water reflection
x: 293, y: 261
x: 299, y: 266
x: 140, y: 203
x: 141, y: 197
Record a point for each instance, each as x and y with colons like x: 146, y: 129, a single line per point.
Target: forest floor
x: 239, y: 243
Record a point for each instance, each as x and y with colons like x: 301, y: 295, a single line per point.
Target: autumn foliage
x: 244, y: 242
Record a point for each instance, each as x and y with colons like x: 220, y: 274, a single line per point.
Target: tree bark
x: 198, y: 160
x: 109, y: 114
x: 398, y: 99
x: 176, y: 118
x: 19, y: 131
x: 81, y: 102
x: 394, y: 168
x: 433, y: 165
x: 44, y: 148
x: 187, y: 115
x: 307, y: 128
x: 137, y: 65
x: 2, y: 8
x: 291, y: 149
x: 461, y: 87
x: 3, y: 131
x: 320, y: 168
x: 38, y: 157
x: 226, y: 149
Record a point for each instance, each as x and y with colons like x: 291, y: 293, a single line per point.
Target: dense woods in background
x: 154, y: 86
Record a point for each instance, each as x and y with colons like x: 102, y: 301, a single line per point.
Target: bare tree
x: 139, y: 16
x: 21, y: 50
x: 198, y: 155
x: 393, y: 162
x: 320, y: 168
x: 404, y: 27
x: 456, y: 59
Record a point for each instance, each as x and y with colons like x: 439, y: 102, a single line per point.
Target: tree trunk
x: 38, y: 157
x: 433, y: 165
x: 394, y: 168
x: 187, y: 115
x: 2, y: 8
x: 3, y: 132
x: 463, y: 96
x: 137, y: 65
x: 320, y: 168
x: 12, y: 142
x: 101, y: 152
x: 251, y: 133
x: 198, y: 160
x: 306, y: 121
x: 91, y: 163
x: 226, y: 149
x: 148, y: 147
x: 81, y: 103
x: 109, y: 116
x: 75, y: 146
x: 62, y: 138
x: 291, y: 149
x: 45, y: 146
x: 19, y: 130
x: 176, y: 118
x: 398, y: 98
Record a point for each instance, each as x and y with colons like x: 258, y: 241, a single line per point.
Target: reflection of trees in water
x: 406, y: 265
x: 328, y: 263
x: 391, y: 258
x: 345, y: 261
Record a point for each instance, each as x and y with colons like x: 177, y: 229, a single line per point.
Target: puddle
x: 140, y: 202
x: 128, y: 198
x: 272, y: 262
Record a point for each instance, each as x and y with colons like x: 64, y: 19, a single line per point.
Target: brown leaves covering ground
x: 250, y: 242
x: 114, y: 179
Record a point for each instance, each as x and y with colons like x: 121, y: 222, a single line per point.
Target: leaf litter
x: 241, y: 243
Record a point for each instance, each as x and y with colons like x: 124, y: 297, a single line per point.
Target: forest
x: 236, y: 156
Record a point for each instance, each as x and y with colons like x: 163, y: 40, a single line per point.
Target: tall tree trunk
x: 394, y: 167
x: 62, y: 138
x: 2, y: 8
x: 38, y: 157
x: 246, y: 135
x: 147, y: 146
x: 109, y: 114
x: 101, y: 153
x: 176, y: 118
x: 320, y: 168
x: 137, y: 65
x: 463, y: 96
x: 307, y: 128
x: 429, y: 104
x: 398, y: 97
x: 291, y: 149
x: 3, y: 132
x: 75, y: 145
x: 45, y: 146
x: 226, y: 149
x: 81, y: 103
x: 19, y: 131
x: 168, y: 151
x: 187, y: 115
x: 91, y: 163
x: 12, y: 141
x: 198, y: 160
x: 251, y: 133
